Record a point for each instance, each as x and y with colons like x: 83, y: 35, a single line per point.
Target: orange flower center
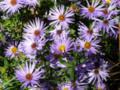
x: 62, y: 48
x: 87, y: 45
x: 13, y: 2
x: 34, y: 45
x: 37, y: 33
x: 91, y: 9
x: 29, y: 76
x: 14, y: 50
x: 61, y: 17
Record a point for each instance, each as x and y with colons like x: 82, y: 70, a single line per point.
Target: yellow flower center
x: 62, y: 48
x: 65, y: 88
x: 61, y: 17
x: 13, y: 2
x: 108, y: 1
x: 91, y: 9
x: 14, y: 50
x: 34, y: 45
x: 87, y: 45
x: 29, y: 76
x: 99, y: 88
x: 37, y: 33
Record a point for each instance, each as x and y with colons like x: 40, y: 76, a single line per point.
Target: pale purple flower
x: 31, y: 46
x: 107, y: 25
x: 29, y: 75
x: 34, y: 29
x: 86, y: 33
x: 11, y: 6
x: 59, y: 16
x: 12, y: 50
x: 90, y: 45
x: 99, y: 73
x: 61, y: 46
x: 110, y: 11
x: 92, y: 10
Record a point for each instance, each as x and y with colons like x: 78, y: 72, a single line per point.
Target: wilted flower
x: 11, y: 6
x: 29, y: 74
x: 61, y: 16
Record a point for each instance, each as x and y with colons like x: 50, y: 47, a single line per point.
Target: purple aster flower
x: 34, y: 29
x: 61, y: 46
x: 11, y: 6
x: 86, y: 33
x: 99, y: 73
x: 92, y: 10
x: 61, y: 16
x: 110, y: 11
x: 29, y: 75
x: 107, y: 25
x: 90, y: 45
x: 31, y: 46
x: 13, y: 50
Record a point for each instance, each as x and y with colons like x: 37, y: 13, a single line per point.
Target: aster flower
x: 61, y: 46
x: 87, y: 33
x: 61, y: 16
x: 59, y: 32
x: 12, y: 51
x: 107, y: 25
x: 34, y: 29
x: 31, y: 3
x: 65, y: 86
x: 30, y: 46
x: 99, y: 73
x: 90, y: 45
x: 110, y: 11
x: 29, y: 74
x: 92, y: 10
x: 11, y: 6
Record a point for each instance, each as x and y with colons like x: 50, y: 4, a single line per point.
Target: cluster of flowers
x: 102, y: 14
